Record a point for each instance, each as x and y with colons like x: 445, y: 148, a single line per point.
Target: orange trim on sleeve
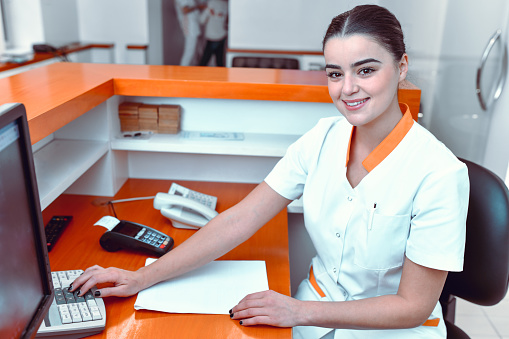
x: 313, y: 282
x: 391, y: 141
x: 432, y: 322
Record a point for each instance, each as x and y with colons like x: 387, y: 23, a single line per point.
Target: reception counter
x: 72, y: 111
x: 56, y: 94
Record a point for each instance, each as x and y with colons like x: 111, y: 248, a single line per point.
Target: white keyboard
x: 71, y: 316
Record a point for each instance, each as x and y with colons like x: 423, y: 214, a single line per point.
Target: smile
x: 355, y: 103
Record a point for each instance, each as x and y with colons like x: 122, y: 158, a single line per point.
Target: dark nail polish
x: 70, y: 287
x: 231, y: 315
x: 240, y: 322
x: 230, y: 311
x: 97, y: 293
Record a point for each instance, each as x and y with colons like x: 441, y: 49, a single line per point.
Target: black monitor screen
x: 24, y: 282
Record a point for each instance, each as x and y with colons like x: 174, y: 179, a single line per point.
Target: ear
x: 403, y: 67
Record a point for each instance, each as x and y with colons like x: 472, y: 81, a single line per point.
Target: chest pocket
x: 382, y: 245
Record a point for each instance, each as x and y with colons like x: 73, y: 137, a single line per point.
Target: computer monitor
x: 26, y: 290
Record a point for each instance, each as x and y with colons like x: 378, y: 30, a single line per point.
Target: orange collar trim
x: 389, y: 143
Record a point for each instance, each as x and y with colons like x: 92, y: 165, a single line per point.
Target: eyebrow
x: 355, y: 64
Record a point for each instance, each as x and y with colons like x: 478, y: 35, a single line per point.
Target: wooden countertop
x: 58, y: 93
x: 269, y: 244
x: 41, y: 56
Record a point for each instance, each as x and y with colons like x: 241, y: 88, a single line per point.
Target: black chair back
x: 485, y: 276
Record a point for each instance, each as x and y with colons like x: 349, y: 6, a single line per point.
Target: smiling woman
x: 379, y: 269
x: 384, y: 204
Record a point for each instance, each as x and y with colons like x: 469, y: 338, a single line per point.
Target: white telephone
x: 186, y: 208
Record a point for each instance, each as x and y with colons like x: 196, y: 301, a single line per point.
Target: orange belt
x: 431, y: 322
x: 313, y: 282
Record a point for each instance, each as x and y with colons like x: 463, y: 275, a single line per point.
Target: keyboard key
x: 86, y: 316
x: 96, y: 315
x: 89, y: 296
x: 76, y: 317
x: 60, y: 300
x: 65, y: 283
x: 66, y: 318
x: 65, y: 315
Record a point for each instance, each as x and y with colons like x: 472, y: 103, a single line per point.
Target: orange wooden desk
x: 56, y: 94
x: 79, y: 248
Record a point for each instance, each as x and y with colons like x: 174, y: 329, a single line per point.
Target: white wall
x: 122, y: 22
x: 296, y: 25
x: 2, y: 42
x: 155, y: 33
x: 301, y: 24
x: 60, y: 22
x: 27, y: 27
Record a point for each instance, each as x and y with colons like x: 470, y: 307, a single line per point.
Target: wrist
x: 141, y: 276
x: 302, y: 316
x: 307, y: 312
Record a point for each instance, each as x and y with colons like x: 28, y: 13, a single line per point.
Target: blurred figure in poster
x: 188, y: 13
x: 215, y: 19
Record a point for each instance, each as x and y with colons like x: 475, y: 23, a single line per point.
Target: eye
x: 366, y: 71
x: 334, y: 75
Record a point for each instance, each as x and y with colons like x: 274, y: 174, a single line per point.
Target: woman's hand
x: 267, y: 308
x: 125, y: 283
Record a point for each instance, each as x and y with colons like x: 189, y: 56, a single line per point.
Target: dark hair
x: 374, y: 21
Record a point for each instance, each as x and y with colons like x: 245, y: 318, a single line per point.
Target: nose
x: 349, y: 85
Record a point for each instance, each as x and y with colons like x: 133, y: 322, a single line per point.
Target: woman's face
x: 363, y: 79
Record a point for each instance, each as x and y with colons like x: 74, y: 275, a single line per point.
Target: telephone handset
x: 186, y: 208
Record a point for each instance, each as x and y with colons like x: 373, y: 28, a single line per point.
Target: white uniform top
x: 214, y: 17
x: 190, y: 22
x: 412, y: 202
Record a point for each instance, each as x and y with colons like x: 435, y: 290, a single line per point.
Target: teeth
x: 351, y: 104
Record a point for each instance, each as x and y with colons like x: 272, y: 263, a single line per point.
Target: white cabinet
x: 90, y: 156
x: 267, y: 127
x: 63, y: 157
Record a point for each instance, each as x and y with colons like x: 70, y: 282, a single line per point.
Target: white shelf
x: 253, y: 144
x: 61, y: 162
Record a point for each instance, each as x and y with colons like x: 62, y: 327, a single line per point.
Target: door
x: 457, y: 117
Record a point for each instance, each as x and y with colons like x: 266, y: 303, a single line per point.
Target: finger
x: 248, y: 312
x: 259, y: 320
x: 258, y: 299
x: 118, y: 291
x: 250, y: 298
x: 98, y: 277
x: 246, y: 305
x: 84, y: 277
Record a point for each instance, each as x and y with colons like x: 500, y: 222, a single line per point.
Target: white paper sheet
x: 212, y: 289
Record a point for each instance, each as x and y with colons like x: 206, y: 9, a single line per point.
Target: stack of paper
x: 212, y: 289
